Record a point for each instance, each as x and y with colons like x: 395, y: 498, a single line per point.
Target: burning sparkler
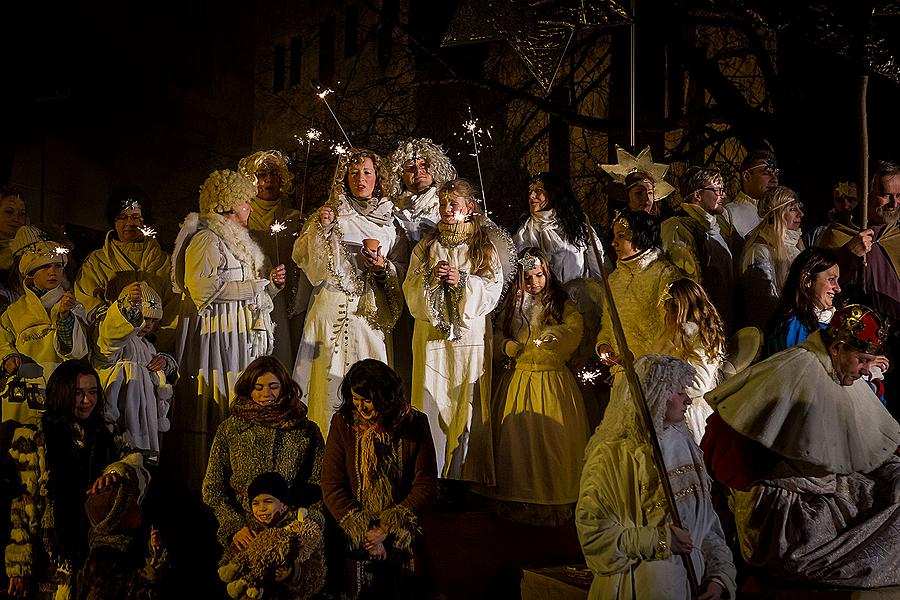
x: 276, y: 228
x: 323, y: 96
x: 587, y: 376
x: 60, y: 251
x: 147, y: 231
x: 474, y: 130
x: 339, y: 149
x: 312, y: 135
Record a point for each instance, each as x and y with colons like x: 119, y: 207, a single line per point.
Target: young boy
x: 46, y: 325
x: 286, y: 555
x: 137, y: 379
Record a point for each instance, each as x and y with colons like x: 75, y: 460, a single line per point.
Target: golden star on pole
x: 627, y: 164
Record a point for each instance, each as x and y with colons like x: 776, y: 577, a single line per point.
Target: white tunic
x: 136, y: 399
x: 743, y: 214
x: 420, y: 213
x: 351, y: 313
x: 567, y: 260
x: 452, y: 357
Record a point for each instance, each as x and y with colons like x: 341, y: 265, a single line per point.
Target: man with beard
x: 701, y: 243
x: 870, y: 259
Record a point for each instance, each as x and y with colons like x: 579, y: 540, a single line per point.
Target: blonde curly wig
x: 249, y: 165
x: 225, y: 190
x: 339, y: 185
x: 437, y: 163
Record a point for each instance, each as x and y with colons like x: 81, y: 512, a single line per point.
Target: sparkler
x: 473, y: 129
x: 338, y: 149
x: 276, y: 228
x: 312, y: 135
x: 60, y: 251
x: 587, y: 376
x: 147, y: 231
x: 323, y: 96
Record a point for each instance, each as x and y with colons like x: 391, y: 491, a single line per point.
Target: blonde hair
x: 249, y: 165
x: 772, y: 209
x: 687, y: 302
x: 481, y: 250
x: 436, y: 161
x: 355, y: 156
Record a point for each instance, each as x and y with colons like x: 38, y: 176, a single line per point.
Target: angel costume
x: 742, y: 212
x: 137, y: 399
x: 539, y: 420
x: 638, y: 286
x: 452, y: 347
x: 811, y: 466
x: 622, y: 517
x: 352, y: 310
x: 224, y: 326
x: 760, y: 280
x: 110, y: 269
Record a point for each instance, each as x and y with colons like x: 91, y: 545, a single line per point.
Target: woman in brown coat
x: 378, y: 479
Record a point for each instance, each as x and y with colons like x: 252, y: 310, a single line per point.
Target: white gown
x: 452, y: 358
x: 351, y: 314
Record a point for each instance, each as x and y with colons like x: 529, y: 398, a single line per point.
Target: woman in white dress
x: 354, y: 254
x: 622, y: 519
x: 227, y: 289
x: 770, y: 249
x: 455, y: 280
x: 539, y: 423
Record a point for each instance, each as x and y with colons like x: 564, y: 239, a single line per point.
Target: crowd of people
x: 409, y: 350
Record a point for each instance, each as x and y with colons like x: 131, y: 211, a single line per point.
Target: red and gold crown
x: 859, y: 327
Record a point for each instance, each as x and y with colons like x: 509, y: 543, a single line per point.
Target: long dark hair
x: 568, y: 210
x: 290, y: 389
x: 797, y: 298
x: 644, y: 229
x: 62, y: 390
x: 553, y: 297
x: 375, y: 381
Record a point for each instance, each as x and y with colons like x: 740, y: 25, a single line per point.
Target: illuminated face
x: 87, y: 391
x: 711, y: 197
x: 641, y: 197
x: 538, y: 200
x: 48, y: 277
x: 455, y: 208
x: 825, y: 287
x: 849, y: 364
x: 535, y: 280
x: 621, y: 242
x: 266, y: 390
x: 676, y: 407
x: 128, y: 224
x: 240, y: 214
x: 149, y: 326
x: 268, y: 182
x: 758, y: 179
x: 361, y: 179
x: 365, y: 407
x: 12, y: 216
x: 792, y: 215
x: 883, y: 204
x: 416, y: 177
x: 267, y: 508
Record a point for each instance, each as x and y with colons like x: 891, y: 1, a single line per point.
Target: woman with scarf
x: 227, y: 288
x: 267, y: 432
x: 768, y: 253
x: 622, y: 515
x: 378, y: 479
x: 354, y: 254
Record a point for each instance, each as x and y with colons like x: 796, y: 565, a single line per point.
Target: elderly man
x: 759, y: 174
x: 418, y: 168
x: 808, y: 454
x: 700, y: 243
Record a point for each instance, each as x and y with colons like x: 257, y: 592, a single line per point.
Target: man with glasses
x: 701, y: 243
x: 759, y: 174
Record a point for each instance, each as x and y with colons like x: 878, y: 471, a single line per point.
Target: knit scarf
x: 377, y: 210
x: 285, y: 415
x: 455, y: 234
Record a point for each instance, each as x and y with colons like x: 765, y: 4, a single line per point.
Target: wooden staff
x: 863, y: 190
x: 637, y: 393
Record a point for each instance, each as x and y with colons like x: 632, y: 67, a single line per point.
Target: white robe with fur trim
x: 225, y: 326
x: 136, y: 399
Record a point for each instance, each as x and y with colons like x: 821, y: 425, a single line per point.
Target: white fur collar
x: 237, y: 239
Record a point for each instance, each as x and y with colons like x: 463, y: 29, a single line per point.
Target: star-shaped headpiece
x: 628, y: 164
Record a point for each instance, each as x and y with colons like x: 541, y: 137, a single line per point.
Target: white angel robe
x: 351, y: 312
x: 136, y: 398
x: 622, y: 520
x: 452, y: 342
x: 568, y: 261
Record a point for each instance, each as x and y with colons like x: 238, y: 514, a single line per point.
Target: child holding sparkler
x: 539, y: 421
x: 47, y: 324
x: 455, y: 280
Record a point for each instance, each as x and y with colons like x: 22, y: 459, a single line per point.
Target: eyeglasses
x: 719, y: 191
x: 130, y: 218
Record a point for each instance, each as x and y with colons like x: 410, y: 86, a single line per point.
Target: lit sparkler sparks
x: 339, y: 149
x: 474, y: 130
x: 323, y: 96
x: 276, y: 228
x: 61, y: 251
x: 588, y: 376
x: 312, y: 135
x: 147, y: 231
